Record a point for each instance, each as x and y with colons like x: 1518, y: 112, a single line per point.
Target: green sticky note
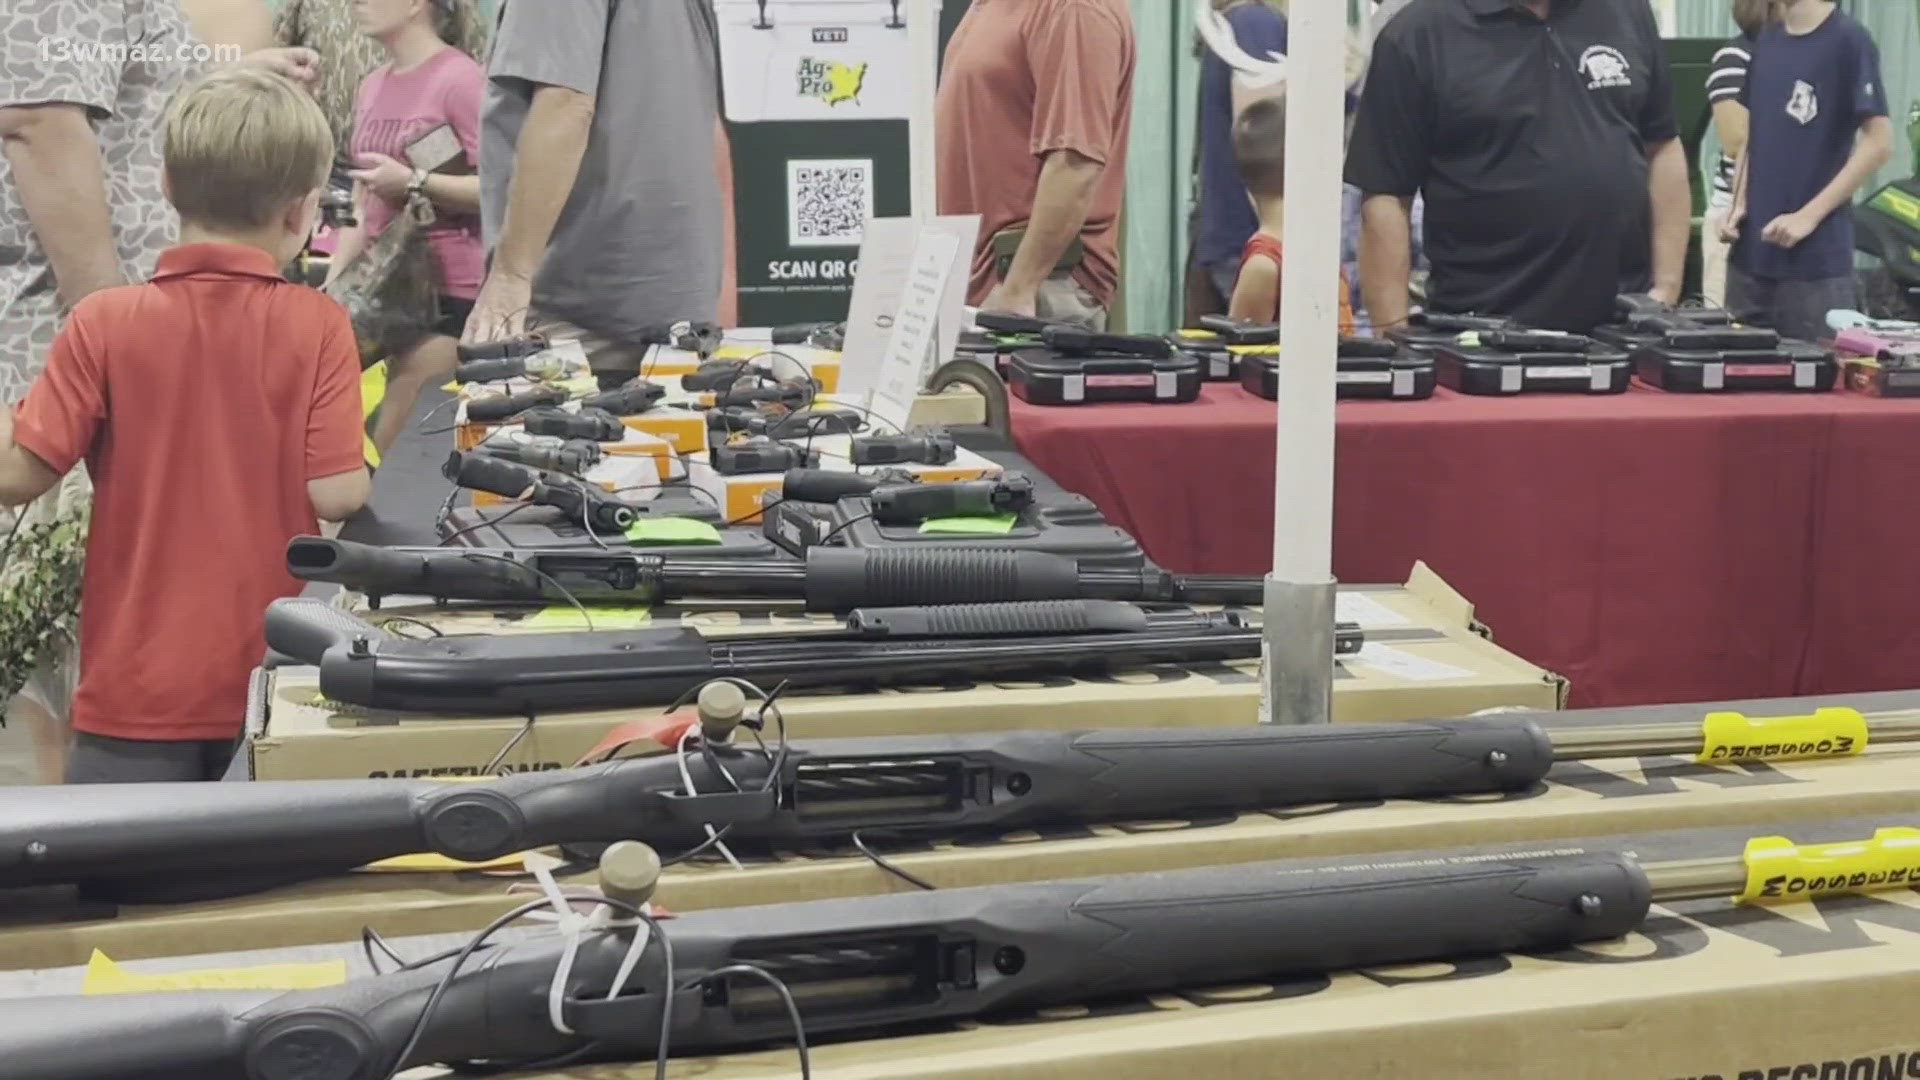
x: 672, y: 530
x: 601, y: 617
x: 999, y: 525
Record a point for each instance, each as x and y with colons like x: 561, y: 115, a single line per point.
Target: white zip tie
x: 571, y: 925
x: 686, y: 777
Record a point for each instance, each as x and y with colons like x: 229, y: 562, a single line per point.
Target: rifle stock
x: 136, y: 841
x: 860, y: 964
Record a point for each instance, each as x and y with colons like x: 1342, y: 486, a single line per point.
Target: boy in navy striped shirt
x: 1818, y: 130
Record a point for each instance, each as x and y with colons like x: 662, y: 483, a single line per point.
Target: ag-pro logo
x: 831, y: 81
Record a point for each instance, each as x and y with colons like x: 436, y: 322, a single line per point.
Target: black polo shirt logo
x: 1605, y: 68
x: 1804, y: 105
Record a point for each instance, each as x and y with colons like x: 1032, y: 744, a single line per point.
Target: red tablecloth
x: 1651, y: 546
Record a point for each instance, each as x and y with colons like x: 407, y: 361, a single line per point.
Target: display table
x: 1651, y: 546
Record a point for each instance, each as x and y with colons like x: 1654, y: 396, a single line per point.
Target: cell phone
x: 436, y: 150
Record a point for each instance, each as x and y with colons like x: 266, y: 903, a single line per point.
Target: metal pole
x: 923, y: 41
x: 1298, y: 668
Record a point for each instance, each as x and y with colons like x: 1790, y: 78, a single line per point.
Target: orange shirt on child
x: 202, y: 402
x: 1269, y: 246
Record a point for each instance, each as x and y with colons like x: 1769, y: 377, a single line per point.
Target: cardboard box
x: 1425, y: 658
x: 1705, y: 990
x: 1580, y: 799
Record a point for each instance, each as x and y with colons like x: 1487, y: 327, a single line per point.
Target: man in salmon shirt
x: 1035, y: 101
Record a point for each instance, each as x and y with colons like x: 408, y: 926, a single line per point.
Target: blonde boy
x: 217, y: 408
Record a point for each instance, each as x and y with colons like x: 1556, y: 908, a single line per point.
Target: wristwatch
x: 418, y: 182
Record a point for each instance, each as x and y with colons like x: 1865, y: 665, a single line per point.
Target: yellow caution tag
x: 429, y: 863
x: 106, y: 977
x: 740, y: 352
x: 1254, y: 350
x: 1778, y: 870
x: 1727, y: 737
x: 584, y: 384
x: 1199, y: 335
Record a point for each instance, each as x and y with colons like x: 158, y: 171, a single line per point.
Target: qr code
x: 828, y: 202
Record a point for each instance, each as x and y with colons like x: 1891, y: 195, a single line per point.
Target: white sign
x: 916, y: 328
x: 815, y: 59
x: 887, y: 252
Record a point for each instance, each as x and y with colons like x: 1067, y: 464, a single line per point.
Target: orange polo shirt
x: 1022, y: 79
x: 202, y: 402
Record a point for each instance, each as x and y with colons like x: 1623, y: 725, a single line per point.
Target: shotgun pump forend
x: 147, y: 842
x: 831, y: 579
x: 851, y: 965
x: 513, y: 674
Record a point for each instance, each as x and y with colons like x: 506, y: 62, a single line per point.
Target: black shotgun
x: 512, y: 674
x: 831, y: 579
x: 849, y: 966
x: 146, y: 842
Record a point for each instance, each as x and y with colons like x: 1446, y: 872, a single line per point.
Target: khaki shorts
x: 1061, y: 299
x: 603, y: 354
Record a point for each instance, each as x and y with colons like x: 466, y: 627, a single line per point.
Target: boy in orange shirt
x: 1260, y: 156
x: 217, y: 408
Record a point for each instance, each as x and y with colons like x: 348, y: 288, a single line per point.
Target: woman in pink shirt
x: 425, y: 92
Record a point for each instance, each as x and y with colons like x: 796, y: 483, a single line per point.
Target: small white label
x: 1805, y: 375
x: 1406, y: 666
x: 1366, y: 612
x: 1714, y: 376
x: 1219, y: 367
x: 1511, y: 379
x: 1403, y: 384
x: 1074, y: 388
x: 1355, y: 378
x: 1602, y: 379
x: 1560, y: 372
x: 1166, y: 385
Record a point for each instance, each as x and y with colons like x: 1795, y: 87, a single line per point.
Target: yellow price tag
x: 1727, y: 737
x: 106, y: 977
x: 997, y: 525
x: 1780, y: 870
x: 565, y: 617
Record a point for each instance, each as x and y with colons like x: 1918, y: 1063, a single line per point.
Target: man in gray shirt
x: 600, y: 206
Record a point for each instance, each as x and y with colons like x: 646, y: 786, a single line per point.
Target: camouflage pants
x: 40, y: 594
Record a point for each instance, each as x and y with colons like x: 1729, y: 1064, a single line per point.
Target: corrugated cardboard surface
x: 1581, y: 799
x: 1705, y: 991
x: 1425, y: 658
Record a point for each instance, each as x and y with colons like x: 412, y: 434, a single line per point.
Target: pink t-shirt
x: 395, y: 109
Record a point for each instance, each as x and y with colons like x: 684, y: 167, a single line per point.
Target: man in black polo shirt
x: 1542, y: 135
